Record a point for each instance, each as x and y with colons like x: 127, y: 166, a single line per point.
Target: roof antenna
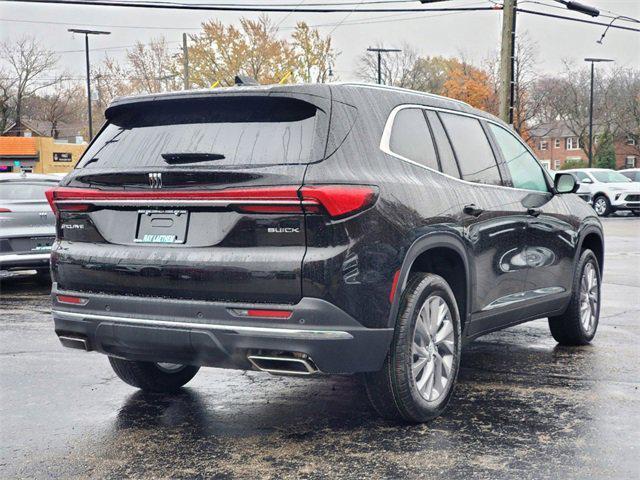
x: 245, y: 81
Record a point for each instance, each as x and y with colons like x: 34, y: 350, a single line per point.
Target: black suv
x: 315, y: 229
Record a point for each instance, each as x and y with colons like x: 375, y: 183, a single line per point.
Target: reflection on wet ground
x: 524, y: 408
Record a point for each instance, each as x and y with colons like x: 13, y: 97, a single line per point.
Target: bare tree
x: 568, y: 97
x: 7, y: 86
x: 28, y: 60
x: 63, y: 102
x: 152, y: 67
x: 626, y: 103
x: 396, y: 67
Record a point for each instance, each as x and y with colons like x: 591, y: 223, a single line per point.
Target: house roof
x: 18, y: 147
x: 42, y: 128
x: 558, y: 129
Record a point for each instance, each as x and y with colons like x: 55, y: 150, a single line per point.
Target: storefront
x: 38, y: 155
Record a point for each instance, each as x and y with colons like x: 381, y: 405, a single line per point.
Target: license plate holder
x: 162, y: 226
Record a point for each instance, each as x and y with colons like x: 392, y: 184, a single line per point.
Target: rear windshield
x: 206, y: 133
x: 25, y: 191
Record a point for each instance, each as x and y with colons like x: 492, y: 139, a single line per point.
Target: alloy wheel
x: 433, y: 348
x: 600, y: 206
x: 589, y: 298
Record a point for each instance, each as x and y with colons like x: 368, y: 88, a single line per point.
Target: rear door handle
x: 534, y: 212
x: 472, y: 209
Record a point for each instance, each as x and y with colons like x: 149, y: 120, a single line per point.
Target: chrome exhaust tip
x: 283, y: 365
x: 75, y: 342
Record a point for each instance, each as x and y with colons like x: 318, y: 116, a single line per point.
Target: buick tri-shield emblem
x: 155, y: 180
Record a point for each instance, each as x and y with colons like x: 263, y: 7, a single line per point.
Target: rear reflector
x: 71, y: 300
x: 261, y: 313
x: 394, y: 286
x: 336, y: 200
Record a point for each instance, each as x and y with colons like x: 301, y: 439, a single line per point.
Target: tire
x: 602, y: 206
x: 394, y: 391
x: 572, y: 328
x: 152, y: 377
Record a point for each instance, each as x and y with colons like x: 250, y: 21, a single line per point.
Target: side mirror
x: 565, y: 183
x: 586, y: 180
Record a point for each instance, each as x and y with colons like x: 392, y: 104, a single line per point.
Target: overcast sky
x: 475, y: 35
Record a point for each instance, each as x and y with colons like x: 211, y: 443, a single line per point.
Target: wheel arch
x: 442, y: 254
x: 592, y: 239
x: 600, y: 194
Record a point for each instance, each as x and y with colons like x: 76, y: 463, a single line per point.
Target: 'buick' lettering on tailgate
x: 283, y: 229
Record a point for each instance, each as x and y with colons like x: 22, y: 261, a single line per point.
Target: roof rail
x: 400, y: 89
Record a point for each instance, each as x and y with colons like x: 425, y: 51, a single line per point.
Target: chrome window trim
x: 386, y: 138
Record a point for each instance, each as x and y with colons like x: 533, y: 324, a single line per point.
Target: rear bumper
x: 210, y: 334
x: 26, y: 260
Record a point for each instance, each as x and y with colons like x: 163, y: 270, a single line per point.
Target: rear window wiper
x: 191, y: 157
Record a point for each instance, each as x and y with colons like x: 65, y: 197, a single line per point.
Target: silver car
x: 27, y: 224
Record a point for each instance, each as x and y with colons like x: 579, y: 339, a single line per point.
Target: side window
x: 581, y: 175
x: 525, y: 171
x: 411, y: 138
x: 447, y: 159
x: 472, y: 149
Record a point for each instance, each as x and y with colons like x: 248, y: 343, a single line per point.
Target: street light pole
x: 86, y: 51
x: 593, y: 61
x: 380, y: 51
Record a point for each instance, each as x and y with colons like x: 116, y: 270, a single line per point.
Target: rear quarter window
x: 411, y: 138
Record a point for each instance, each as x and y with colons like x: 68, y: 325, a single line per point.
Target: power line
x: 558, y: 7
x: 240, y: 8
x: 573, y: 19
x: 229, y: 7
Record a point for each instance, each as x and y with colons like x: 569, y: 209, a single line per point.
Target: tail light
x: 5, y: 210
x: 340, y: 200
x: 337, y: 201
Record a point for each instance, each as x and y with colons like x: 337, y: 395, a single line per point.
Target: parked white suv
x: 609, y: 190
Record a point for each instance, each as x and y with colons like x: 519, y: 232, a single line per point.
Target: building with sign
x: 38, y: 154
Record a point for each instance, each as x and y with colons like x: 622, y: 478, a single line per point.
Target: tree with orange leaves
x: 220, y: 52
x: 469, y: 84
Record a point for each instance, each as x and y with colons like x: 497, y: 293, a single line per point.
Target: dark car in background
x: 317, y: 229
x: 27, y: 224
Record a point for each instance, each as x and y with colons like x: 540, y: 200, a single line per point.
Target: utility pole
x: 507, y: 61
x: 380, y: 51
x: 593, y: 61
x: 185, y: 57
x: 86, y: 51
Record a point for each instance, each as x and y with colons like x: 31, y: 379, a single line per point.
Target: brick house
x: 554, y: 144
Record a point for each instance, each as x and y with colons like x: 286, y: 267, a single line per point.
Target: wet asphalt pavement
x: 524, y: 407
